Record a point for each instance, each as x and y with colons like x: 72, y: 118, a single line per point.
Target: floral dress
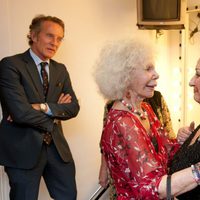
x: 137, y: 160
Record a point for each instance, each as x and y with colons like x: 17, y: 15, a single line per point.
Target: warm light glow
x: 190, y: 95
x: 176, y: 92
x: 176, y: 71
x: 190, y: 71
x: 190, y: 107
x: 177, y: 109
x: 176, y: 97
x: 177, y: 84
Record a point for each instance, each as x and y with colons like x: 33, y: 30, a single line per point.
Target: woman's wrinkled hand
x: 184, y: 132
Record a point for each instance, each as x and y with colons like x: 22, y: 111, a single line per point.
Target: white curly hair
x: 114, y: 68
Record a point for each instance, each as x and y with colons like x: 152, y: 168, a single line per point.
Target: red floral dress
x: 137, y: 160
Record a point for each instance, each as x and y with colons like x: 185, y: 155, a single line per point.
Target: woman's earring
x: 128, y: 95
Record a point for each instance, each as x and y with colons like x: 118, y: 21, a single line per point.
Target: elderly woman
x: 134, y: 144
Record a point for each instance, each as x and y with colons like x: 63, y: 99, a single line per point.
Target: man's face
x: 46, y: 42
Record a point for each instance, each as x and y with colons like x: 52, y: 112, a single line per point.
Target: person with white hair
x: 136, y: 147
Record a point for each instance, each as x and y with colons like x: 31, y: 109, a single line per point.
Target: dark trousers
x: 58, y: 176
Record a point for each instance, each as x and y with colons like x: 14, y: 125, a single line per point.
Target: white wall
x: 89, y: 24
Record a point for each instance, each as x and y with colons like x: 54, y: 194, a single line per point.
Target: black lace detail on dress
x: 155, y: 143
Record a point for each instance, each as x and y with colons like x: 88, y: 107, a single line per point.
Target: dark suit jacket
x: 20, y: 86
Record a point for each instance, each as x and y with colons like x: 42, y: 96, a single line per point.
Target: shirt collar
x: 36, y: 59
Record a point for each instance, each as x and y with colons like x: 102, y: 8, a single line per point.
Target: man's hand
x: 9, y: 118
x: 64, y: 98
x: 36, y: 106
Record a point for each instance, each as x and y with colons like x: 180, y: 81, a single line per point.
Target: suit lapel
x: 33, y: 72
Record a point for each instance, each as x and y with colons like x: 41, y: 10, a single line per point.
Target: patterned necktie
x: 44, y: 78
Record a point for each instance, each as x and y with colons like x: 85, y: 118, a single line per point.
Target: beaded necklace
x: 141, y: 115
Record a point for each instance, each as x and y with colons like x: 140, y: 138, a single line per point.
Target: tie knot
x: 43, y: 64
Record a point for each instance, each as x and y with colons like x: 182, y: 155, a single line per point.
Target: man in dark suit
x: 36, y: 94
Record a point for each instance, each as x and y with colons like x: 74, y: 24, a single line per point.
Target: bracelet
x: 196, y: 173
x: 168, y: 189
x: 197, y: 166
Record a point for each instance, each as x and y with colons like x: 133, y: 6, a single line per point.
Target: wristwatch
x: 43, y: 107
